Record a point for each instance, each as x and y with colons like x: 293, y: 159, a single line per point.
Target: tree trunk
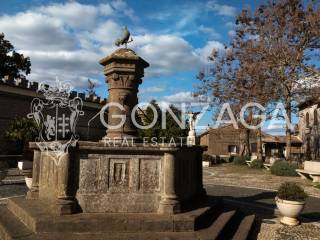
x: 259, y: 144
x: 248, y: 142
x: 288, y: 131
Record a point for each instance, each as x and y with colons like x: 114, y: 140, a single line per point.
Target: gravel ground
x: 270, y: 228
x: 279, y: 232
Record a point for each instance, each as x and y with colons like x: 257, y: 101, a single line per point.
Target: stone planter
x: 28, y: 182
x: 290, y: 210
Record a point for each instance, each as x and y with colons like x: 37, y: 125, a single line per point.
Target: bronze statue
x: 125, y: 39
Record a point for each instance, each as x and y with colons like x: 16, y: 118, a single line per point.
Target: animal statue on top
x: 125, y: 39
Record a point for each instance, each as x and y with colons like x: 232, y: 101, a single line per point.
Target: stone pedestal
x: 124, y: 70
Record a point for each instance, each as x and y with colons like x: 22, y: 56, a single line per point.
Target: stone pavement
x: 262, y: 198
x: 279, y: 232
x: 242, y: 176
x: 270, y: 228
x: 12, y: 190
x: 12, y: 185
x: 253, y: 187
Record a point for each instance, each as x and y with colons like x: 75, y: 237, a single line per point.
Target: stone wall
x: 219, y: 140
x: 15, y: 99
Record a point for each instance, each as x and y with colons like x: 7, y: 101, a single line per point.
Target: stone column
x: 33, y: 193
x: 169, y: 203
x: 64, y: 203
x: 124, y: 70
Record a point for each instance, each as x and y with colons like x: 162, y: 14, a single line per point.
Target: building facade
x: 223, y: 141
x: 309, y: 128
x: 15, y: 101
x: 227, y: 141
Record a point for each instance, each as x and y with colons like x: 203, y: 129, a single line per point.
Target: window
x: 307, y: 120
x: 232, y: 148
x: 315, y: 117
x: 253, y: 147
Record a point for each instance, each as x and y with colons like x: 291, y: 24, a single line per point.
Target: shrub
x: 3, y: 165
x: 208, y: 158
x: 219, y: 159
x: 317, y: 186
x: 257, y: 163
x: 240, y: 160
x: 292, y: 192
x: 284, y: 168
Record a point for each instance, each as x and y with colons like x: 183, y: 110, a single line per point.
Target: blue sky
x: 67, y: 39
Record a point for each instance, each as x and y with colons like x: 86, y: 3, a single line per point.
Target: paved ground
x: 262, y: 198
x: 277, y: 231
x: 257, y: 187
x: 12, y: 190
x: 245, y: 185
x: 242, y: 176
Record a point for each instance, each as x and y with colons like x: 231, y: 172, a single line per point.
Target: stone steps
x: 36, y: 215
x: 218, y: 226
x: 11, y: 227
x: 31, y: 220
x: 244, y: 228
x: 113, y: 236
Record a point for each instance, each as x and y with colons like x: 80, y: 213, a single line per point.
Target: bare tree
x: 271, y: 57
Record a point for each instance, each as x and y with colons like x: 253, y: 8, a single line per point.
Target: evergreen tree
x: 12, y: 64
x: 172, y: 130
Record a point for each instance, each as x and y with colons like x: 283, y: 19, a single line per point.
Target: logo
x: 56, y: 116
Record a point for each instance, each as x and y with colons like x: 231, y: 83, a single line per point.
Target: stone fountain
x: 106, y: 189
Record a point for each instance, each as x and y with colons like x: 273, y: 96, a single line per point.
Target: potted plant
x: 28, y: 180
x: 3, y: 170
x: 290, y: 201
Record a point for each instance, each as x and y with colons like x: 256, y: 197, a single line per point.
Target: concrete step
x: 31, y: 220
x: 37, y: 216
x: 113, y: 236
x: 244, y: 228
x: 11, y: 227
x: 217, y: 227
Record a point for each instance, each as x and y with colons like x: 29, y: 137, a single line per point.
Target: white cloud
x: 107, y: 32
x: 209, y: 31
x: 31, y: 30
x: 230, y: 24
x: 74, y: 14
x: 231, y: 33
x: 207, y: 50
x: 186, y: 97
x: 180, y: 97
x: 221, y: 9
x: 123, y: 7
x: 68, y: 40
x: 74, y: 66
x: 155, y: 89
x: 166, y: 54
